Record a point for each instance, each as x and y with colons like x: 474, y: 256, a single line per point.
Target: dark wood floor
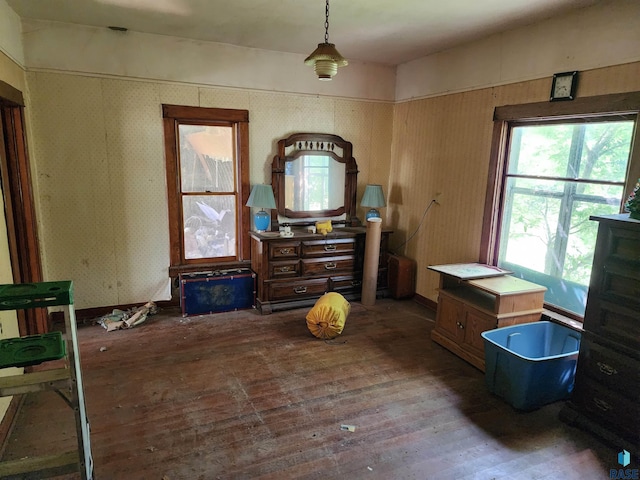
x: 244, y: 396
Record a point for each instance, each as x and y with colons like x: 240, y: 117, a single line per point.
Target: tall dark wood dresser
x: 606, y: 398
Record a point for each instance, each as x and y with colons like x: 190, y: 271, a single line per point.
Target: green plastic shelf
x: 31, y: 350
x: 31, y: 295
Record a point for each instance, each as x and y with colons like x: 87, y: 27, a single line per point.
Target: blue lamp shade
x: 373, y: 197
x: 261, y: 197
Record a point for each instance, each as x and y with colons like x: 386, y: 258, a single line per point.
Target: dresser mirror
x: 314, y: 176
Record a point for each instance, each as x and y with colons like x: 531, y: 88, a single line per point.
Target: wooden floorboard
x: 244, y: 396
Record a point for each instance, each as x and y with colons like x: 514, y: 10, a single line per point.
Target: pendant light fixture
x: 326, y: 59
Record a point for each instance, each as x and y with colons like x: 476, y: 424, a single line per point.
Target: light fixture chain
x: 326, y: 24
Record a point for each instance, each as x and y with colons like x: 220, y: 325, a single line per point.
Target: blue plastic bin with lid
x: 531, y: 364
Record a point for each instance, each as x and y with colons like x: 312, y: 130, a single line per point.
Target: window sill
x: 562, y: 320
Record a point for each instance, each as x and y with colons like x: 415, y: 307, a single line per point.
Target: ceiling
x: 380, y: 31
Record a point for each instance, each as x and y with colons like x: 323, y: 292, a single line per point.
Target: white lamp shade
x: 261, y: 197
x: 373, y: 197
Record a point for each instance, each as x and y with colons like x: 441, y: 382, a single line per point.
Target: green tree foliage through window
x: 557, y: 176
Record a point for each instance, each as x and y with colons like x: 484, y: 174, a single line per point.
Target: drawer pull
x: 460, y: 325
x: 329, y: 248
x: 602, y: 405
x: 356, y: 283
x: 285, y: 269
x: 285, y: 251
x: 330, y: 266
x: 607, y: 369
x: 300, y: 290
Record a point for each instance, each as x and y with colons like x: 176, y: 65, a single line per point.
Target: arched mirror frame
x: 299, y: 144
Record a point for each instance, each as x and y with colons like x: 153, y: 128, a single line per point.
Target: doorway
x: 17, y: 193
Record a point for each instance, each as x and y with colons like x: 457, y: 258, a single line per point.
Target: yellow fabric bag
x: 327, y: 317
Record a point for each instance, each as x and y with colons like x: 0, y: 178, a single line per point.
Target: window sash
x: 174, y: 116
x: 543, y: 252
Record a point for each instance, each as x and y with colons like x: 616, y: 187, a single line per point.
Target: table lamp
x: 373, y: 197
x: 261, y: 197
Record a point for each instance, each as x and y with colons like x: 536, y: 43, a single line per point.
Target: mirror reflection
x: 314, y: 176
x: 314, y: 181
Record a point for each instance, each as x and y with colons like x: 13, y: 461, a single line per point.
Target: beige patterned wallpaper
x: 96, y: 147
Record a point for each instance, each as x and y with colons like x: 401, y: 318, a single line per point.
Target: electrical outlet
x: 437, y: 197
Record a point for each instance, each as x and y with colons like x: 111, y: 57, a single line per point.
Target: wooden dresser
x: 606, y: 397
x: 295, y: 271
x: 468, y: 306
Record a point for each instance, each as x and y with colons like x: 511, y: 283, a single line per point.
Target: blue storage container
x: 531, y: 364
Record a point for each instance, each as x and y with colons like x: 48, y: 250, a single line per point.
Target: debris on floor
x: 121, y: 319
x: 350, y: 428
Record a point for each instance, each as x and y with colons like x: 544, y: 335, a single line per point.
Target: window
x: 314, y: 174
x: 207, y: 184
x: 550, y: 175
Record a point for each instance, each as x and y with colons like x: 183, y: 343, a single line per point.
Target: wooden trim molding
x: 244, y: 213
x: 15, y: 175
x: 204, y: 114
x: 90, y: 316
x: 491, y: 218
x: 586, y: 106
x: 10, y: 96
x: 425, y: 302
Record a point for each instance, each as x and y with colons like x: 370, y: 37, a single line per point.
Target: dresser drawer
x: 323, y: 248
x: 617, y: 372
x: 619, y: 413
x: 287, y: 290
x: 621, y: 281
x: 613, y: 321
x: 282, y: 250
x: 346, y: 284
x: 625, y: 244
x: 284, y: 269
x: 324, y: 266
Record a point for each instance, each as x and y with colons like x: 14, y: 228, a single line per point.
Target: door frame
x: 17, y: 191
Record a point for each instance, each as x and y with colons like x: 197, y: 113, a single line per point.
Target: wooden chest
x: 203, y: 293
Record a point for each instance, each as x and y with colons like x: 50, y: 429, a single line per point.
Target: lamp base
x: 373, y: 213
x: 261, y: 220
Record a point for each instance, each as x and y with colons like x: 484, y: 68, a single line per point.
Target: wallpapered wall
x: 96, y: 143
x: 96, y: 147
x: 97, y: 152
x: 442, y: 145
